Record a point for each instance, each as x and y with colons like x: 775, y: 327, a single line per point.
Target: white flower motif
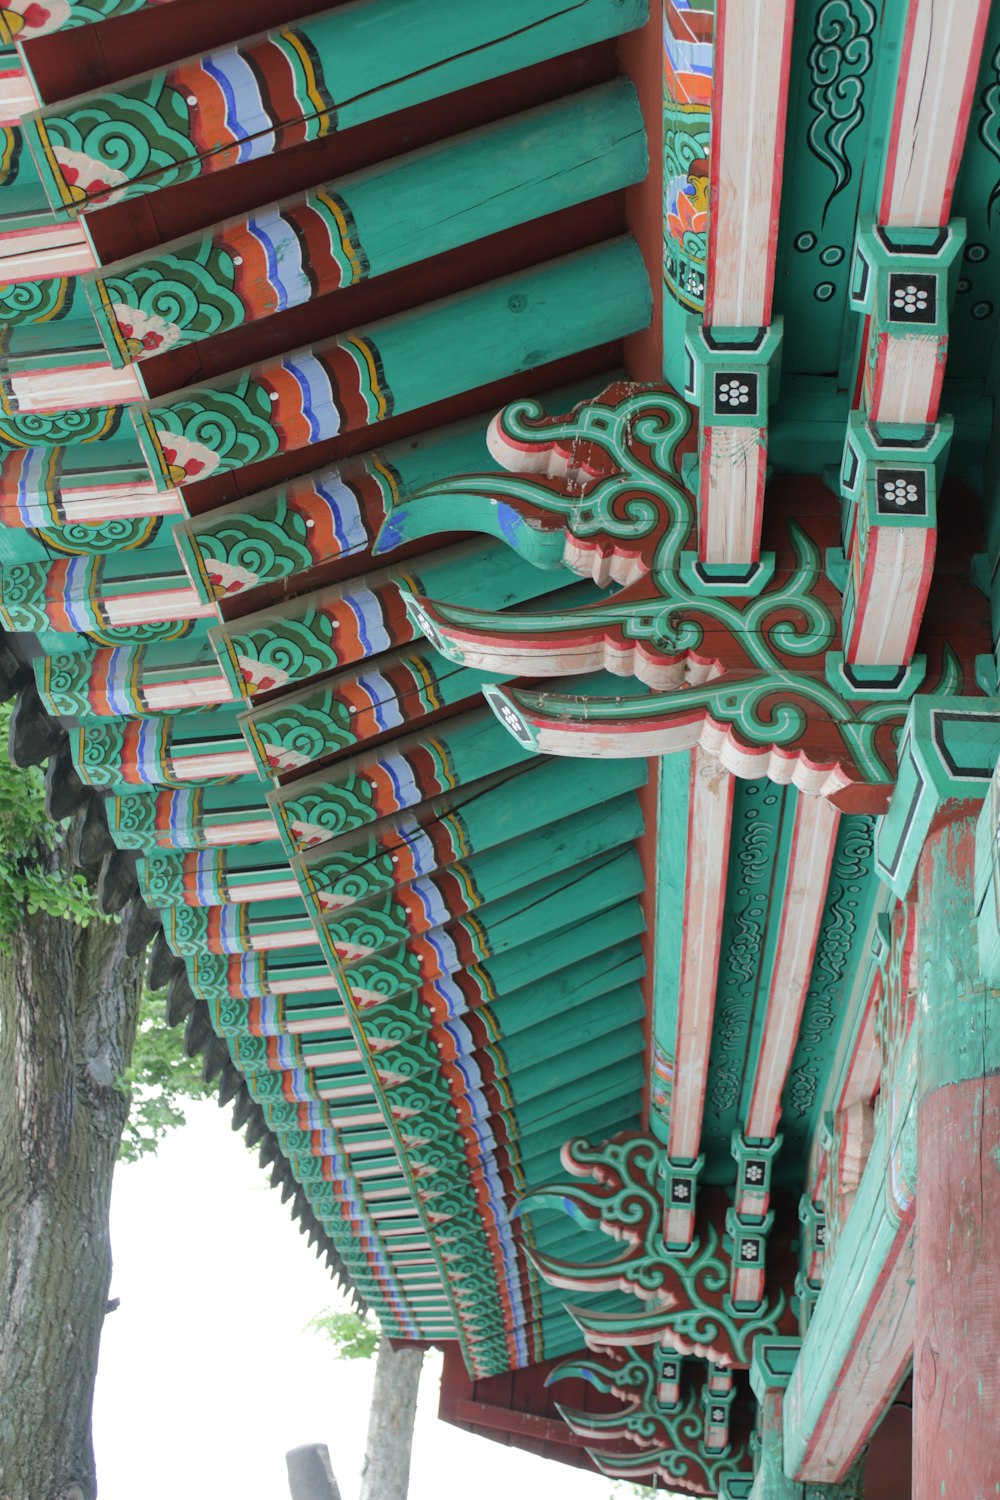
x: 750, y: 1251
x: 229, y: 578
x: 27, y: 18
x: 682, y: 1191
x: 900, y: 492
x: 86, y: 176
x: 909, y: 299
x: 261, y: 676
x: 144, y: 333
x: 184, y: 458
x: 755, y: 1172
x: 733, y: 393
x: 510, y: 718
x: 285, y: 758
x: 718, y: 1415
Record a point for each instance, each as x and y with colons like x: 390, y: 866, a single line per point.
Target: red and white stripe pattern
x: 750, y: 100
x: 942, y: 45
x: 813, y: 842
x: 710, y: 813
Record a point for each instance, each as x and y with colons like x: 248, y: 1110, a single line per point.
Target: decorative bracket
x: 742, y: 674
x: 732, y: 373
x: 680, y: 1192
x: 889, y: 482
x: 901, y: 282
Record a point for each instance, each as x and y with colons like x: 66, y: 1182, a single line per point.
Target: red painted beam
x: 956, y: 1369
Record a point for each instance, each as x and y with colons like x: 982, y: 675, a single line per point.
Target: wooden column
x: 956, y: 1370
x: 772, y: 1367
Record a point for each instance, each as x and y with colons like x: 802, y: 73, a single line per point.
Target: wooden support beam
x: 813, y: 842
x: 42, y: 487
x: 448, y: 195
x: 372, y: 785
x: 397, y: 365
x: 444, y: 830
x: 941, y: 48
x: 731, y: 382
x: 24, y: 22
x: 860, y: 1337
x: 753, y: 48
x: 297, y: 84
x: 330, y: 629
x: 956, y: 1373
x: 204, y: 878
x: 210, y: 817
x: 690, y: 902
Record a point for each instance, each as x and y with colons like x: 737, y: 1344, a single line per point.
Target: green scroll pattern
x: 685, y: 1297
x: 773, y: 648
x: 663, y: 1442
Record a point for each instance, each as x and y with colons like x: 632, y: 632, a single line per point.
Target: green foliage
x: 623, y: 1489
x: 30, y: 877
x: 353, y: 1336
x: 32, y: 880
x: 161, y: 1075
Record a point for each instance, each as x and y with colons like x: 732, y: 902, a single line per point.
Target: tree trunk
x: 385, y: 1474
x: 69, y: 1002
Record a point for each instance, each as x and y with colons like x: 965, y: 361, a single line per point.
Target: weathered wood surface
x: 857, y: 1346
x: 942, y: 43
x: 956, y: 1385
x: 753, y: 53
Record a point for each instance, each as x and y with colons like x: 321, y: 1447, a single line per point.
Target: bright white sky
x: 206, y: 1374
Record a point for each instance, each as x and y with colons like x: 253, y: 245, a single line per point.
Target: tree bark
x: 69, y: 1003
x: 385, y: 1474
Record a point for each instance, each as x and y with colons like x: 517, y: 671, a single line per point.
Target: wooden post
x: 956, y: 1372
x: 310, y: 1476
x: 772, y: 1368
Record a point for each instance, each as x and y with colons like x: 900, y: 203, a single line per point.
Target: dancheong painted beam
x: 515, y: 565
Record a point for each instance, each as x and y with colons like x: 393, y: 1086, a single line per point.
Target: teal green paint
x: 925, y: 779
x: 547, y: 1078
x: 559, y: 788
x: 415, y: 55
x: 420, y: 206
x: 974, y: 316
x: 853, y: 893
x: 561, y: 900
x: 674, y: 793
x: 617, y: 1081
x: 513, y: 171
x: 618, y: 1011
x: 880, y: 102
x: 514, y: 324
x: 491, y: 573
x: 373, y: 67
x: 587, y: 977
x: 438, y: 351
x: 862, y: 1250
x: 958, y: 1016
x: 778, y: 874
x: 470, y: 747
x: 539, y: 1151
x: 510, y: 869
x: 511, y: 970
x: 827, y: 139
x: 761, y: 831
